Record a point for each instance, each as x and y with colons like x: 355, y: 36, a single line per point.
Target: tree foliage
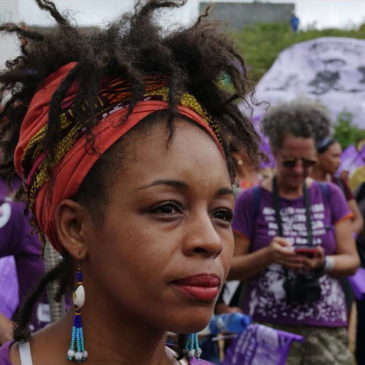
x: 345, y: 132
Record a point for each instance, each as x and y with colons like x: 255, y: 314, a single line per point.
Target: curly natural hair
x: 193, y: 59
x: 299, y: 118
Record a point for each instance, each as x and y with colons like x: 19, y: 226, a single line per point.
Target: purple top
x: 265, y: 299
x: 5, y: 356
x: 5, y: 353
x: 16, y: 239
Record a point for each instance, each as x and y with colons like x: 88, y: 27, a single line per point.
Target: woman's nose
x: 298, y: 168
x: 202, y: 237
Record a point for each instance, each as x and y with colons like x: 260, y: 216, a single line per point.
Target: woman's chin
x: 192, y: 324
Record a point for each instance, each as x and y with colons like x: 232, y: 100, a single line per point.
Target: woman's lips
x: 202, y: 286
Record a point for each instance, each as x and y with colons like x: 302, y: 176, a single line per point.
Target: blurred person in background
x: 18, y: 240
x: 360, y: 303
x: 293, y: 238
x: 247, y: 175
x: 9, y: 296
x: 294, y: 22
x: 329, y: 159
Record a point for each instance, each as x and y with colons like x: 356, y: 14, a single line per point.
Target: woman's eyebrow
x: 168, y: 182
x: 225, y: 191
x: 178, y: 184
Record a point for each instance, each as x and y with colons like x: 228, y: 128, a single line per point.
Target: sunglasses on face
x: 291, y: 163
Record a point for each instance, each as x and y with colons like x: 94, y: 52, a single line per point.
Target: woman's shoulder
x: 326, y: 188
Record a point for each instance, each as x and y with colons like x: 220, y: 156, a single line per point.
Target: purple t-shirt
x: 16, y: 239
x: 265, y: 298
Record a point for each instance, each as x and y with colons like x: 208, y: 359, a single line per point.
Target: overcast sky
x: 322, y: 13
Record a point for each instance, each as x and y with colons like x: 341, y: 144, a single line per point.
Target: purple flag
x: 264, y: 141
x: 329, y: 70
x: 351, y: 159
x: 9, y: 286
x: 260, y: 345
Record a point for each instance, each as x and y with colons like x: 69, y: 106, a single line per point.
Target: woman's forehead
x: 293, y: 144
x: 158, y: 139
x: 191, y: 150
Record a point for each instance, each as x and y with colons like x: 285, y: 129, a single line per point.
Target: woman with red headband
x: 117, y: 136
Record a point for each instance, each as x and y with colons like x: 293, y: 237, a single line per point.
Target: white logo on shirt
x: 5, y: 213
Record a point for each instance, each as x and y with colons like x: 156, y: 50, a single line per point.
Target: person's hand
x: 345, y: 175
x: 6, y: 329
x: 316, y: 261
x: 282, y: 252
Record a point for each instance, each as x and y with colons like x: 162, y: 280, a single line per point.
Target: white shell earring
x: 79, y: 296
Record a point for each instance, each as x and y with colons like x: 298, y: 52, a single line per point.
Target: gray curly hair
x: 298, y: 118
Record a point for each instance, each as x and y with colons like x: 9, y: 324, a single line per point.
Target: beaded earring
x: 192, y: 348
x: 77, y: 351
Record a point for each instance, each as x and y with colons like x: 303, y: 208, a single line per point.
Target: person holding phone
x: 293, y: 238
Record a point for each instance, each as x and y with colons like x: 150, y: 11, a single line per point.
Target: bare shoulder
x: 14, y: 354
x: 48, y: 343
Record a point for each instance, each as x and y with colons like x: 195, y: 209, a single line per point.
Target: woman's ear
x: 70, y: 219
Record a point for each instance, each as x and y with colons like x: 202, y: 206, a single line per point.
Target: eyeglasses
x: 291, y: 163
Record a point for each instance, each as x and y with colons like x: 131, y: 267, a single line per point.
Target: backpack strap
x: 325, y: 190
x: 256, y: 193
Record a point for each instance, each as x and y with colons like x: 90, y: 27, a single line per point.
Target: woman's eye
x: 166, y: 208
x: 225, y: 215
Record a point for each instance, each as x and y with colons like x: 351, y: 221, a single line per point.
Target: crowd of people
x: 122, y: 149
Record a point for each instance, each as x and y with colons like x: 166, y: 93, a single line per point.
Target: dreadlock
x: 194, y: 60
x: 62, y: 272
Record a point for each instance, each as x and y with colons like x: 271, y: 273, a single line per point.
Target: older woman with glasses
x: 293, y: 237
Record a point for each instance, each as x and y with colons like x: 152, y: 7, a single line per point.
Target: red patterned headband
x: 73, y: 157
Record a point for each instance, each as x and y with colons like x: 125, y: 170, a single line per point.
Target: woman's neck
x: 122, y: 341
x: 290, y: 192
x: 107, y: 342
x: 319, y: 174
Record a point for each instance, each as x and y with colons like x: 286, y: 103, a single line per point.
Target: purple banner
x: 330, y: 70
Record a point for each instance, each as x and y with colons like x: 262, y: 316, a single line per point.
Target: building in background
x: 239, y: 14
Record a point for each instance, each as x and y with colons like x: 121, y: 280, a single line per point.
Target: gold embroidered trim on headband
x: 116, y: 94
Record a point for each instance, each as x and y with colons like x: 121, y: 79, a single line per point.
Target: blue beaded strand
x: 192, y: 348
x: 76, y: 351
